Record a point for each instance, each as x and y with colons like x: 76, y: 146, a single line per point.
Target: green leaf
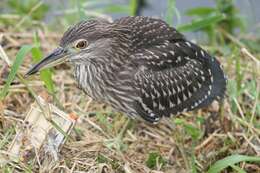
x: 231, y: 160
x: 200, y: 11
x: 201, y: 23
x: 17, y: 63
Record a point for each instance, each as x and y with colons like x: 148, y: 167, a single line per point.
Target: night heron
x: 140, y: 66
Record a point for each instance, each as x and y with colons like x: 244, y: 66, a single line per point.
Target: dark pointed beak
x: 57, y: 57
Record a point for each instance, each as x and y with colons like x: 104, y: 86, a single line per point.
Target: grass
x: 202, y: 23
x: 201, y: 141
x: 17, y: 63
x: 231, y: 161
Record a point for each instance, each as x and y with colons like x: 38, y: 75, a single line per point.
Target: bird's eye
x: 81, y: 44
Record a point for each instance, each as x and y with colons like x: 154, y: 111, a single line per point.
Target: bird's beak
x: 58, y: 56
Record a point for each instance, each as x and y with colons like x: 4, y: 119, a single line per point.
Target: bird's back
x: 172, y: 75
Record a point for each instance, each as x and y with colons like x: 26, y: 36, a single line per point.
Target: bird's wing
x: 175, y: 77
x: 147, y: 31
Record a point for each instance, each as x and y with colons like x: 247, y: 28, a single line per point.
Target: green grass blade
x: 80, y: 8
x: 133, y: 7
x: 200, y: 11
x: 231, y: 160
x: 114, y: 9
x: 17, y: 63
x: 238, y: 169
x: 171, y: 7
x: 45, y: 75
x: 201, y: 23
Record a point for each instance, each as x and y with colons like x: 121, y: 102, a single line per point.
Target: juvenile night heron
x: 140, y: 66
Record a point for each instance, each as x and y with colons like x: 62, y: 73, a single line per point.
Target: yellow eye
x: 81, y: 44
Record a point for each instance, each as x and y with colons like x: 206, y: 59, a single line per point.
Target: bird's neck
x: 88, y: 79
x: 93, y: 79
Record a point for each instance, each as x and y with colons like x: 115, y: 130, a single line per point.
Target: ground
x: 190, y: 141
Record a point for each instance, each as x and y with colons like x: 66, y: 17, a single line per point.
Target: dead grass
x: 93, y: 146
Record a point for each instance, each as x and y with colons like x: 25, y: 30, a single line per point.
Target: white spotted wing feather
x: 173, y: 75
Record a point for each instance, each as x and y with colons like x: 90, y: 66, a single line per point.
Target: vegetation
x: 220, y: 138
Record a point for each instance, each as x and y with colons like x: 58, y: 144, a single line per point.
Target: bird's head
x: 85, y: 42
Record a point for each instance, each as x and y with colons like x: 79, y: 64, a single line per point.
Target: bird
x: 140, y: 66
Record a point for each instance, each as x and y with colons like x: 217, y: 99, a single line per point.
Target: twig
x: 96, y: 127
x: 243, y: 122
x: 239, y: 108
x: 4, y: 56
x: 205, y: 142
x: 13, y: 41
x: 10, y: 16
x: 256, y: 148
x: 232, y: 38
x: 246, y: 53
x: 127, y: 168
x: 88, y: 103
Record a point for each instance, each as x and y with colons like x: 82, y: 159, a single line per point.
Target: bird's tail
x: 219, y: 83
